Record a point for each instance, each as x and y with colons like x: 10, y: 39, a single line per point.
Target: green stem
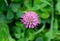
x: 52, y: 19
x: 40, y: 30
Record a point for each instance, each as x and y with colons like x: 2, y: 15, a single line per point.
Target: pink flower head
x: 30, y: 19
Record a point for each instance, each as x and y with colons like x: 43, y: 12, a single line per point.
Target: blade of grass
x: 6, y: 2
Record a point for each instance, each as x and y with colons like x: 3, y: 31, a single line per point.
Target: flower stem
x: 40, y: 30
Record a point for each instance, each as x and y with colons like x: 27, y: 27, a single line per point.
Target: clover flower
x: 30, y: 19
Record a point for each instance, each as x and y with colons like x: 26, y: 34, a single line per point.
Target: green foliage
x: 10, y: 15
x: 58, y: 7
x: 39, y: 39
x: 4, y: 33
x: 18, y: 33
x: 12, y: 29
x: 19, y: 14
x: 14, y: 7
x: 52, y: 32
x: 15, y: 0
